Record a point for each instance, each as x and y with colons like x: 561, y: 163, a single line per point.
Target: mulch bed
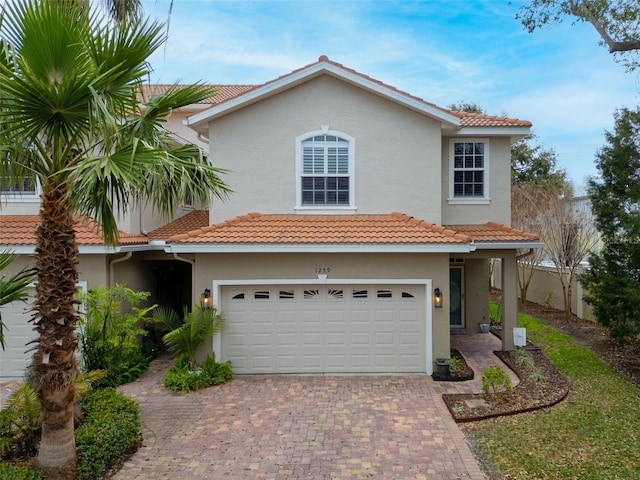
x: 541, y: 386
x: 466, y: 372
x: 531, y: 395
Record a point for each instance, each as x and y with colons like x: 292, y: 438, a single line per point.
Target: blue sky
x: 444, y: 51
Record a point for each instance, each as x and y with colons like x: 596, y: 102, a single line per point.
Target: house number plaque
x: 323, y: 270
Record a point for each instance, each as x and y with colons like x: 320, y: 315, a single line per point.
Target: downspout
x: 193, y: 273
x: 113, y: 262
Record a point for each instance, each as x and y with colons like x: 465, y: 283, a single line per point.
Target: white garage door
x: 324, y: 329
x: 18, y: 332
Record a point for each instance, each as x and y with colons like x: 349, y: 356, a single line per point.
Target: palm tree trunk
x: 54, y: 360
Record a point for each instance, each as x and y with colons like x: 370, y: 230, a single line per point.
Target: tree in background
x: 537, y: 184
x: 569, y: 233
x: 529, y: 201
x: 71, y: 115
x: 533, y: 164
x: 613, y: 281
x: 616, y: 21
x: 468, y: 107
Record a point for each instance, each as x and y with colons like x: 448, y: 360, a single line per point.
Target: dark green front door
x: 456, y: 303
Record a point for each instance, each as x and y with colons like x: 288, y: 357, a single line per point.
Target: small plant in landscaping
x: 187, y: 338
x: 522, y: 358
x: 181, y: 379
x: 20, y: 423
x: 538, y: 377
x: 495, y: 379
x: 455, y: 367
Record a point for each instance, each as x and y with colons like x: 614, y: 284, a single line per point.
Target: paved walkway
x: 306, y: 427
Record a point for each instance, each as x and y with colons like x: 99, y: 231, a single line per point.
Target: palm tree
x: 71, y: 116
x: 187, y: 338
x: 12, y: 289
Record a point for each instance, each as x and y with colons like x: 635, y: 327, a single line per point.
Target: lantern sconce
x: 437, y: 298
x: 205, y: 298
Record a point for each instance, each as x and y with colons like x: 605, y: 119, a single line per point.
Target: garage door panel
x: 300, y: 329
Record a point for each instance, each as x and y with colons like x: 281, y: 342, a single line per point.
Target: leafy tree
x: 469, y: 107
x: 536, y: 186
x: 12, y: 289
x: 71, y: 115
x: 616, y: 21
x: 533, y: 164
x: 613, y: 280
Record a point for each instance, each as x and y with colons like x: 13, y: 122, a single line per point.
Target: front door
x: 456, y: 295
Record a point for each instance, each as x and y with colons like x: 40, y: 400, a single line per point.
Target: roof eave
x: 318, y: 248
x: 515, y: 133
x: 479, y: 245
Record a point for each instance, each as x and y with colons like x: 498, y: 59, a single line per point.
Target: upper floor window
x: 325, y: 168
x: 23, y: 187
x: 469, y: 170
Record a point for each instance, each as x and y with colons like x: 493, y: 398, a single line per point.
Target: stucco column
x: 509, y: 299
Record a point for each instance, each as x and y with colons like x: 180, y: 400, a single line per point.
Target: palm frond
x: 198, y: 325
x: 13, y: 288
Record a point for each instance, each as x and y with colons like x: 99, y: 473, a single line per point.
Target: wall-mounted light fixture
x: 437, y: 298
x: 205, y: 298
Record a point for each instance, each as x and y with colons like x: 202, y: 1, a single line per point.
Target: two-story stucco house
x: 358, y: 235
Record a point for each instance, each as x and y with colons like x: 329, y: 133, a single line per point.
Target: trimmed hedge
x: 111, y: 431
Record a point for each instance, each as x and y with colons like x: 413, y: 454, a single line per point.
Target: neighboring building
x: 370, y: 201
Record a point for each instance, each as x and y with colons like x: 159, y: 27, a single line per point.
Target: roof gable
x: 323, y: 66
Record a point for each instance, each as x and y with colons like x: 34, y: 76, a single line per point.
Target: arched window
x: 325, y: 170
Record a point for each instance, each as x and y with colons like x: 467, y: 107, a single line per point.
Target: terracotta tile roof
x: 21, y: 230
x: 190, y: 221
x: 228, y: 92
x: 223, y: 92
x: 493, y: 232
x: 255, y: 228
x: 480, y: 120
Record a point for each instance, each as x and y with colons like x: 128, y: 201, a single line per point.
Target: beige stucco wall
x: 210, y: 267
x: 499, y: 208
x: 258, y: 144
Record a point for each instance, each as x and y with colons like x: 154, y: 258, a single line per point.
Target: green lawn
x: 593, y: 434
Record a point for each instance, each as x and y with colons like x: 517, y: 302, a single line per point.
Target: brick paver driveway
x: 298, y: 427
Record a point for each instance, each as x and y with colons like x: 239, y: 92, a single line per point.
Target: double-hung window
x: 325, y: 167
x: 469, y: 172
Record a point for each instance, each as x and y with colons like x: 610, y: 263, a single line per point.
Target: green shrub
x: 110, y: 338
x: 495, y: 379
x: 110, y: 431
x: 9, y: 472
x: 181, y: 379
x: 455, y: 367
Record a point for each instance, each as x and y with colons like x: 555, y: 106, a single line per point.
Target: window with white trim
x: 325, y: 170
x: 23, y: 186
x: 469, y: 169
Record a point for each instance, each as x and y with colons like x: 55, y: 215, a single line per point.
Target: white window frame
x: 300, y: 173
x: 22, y: 197
x: 485, y: 199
